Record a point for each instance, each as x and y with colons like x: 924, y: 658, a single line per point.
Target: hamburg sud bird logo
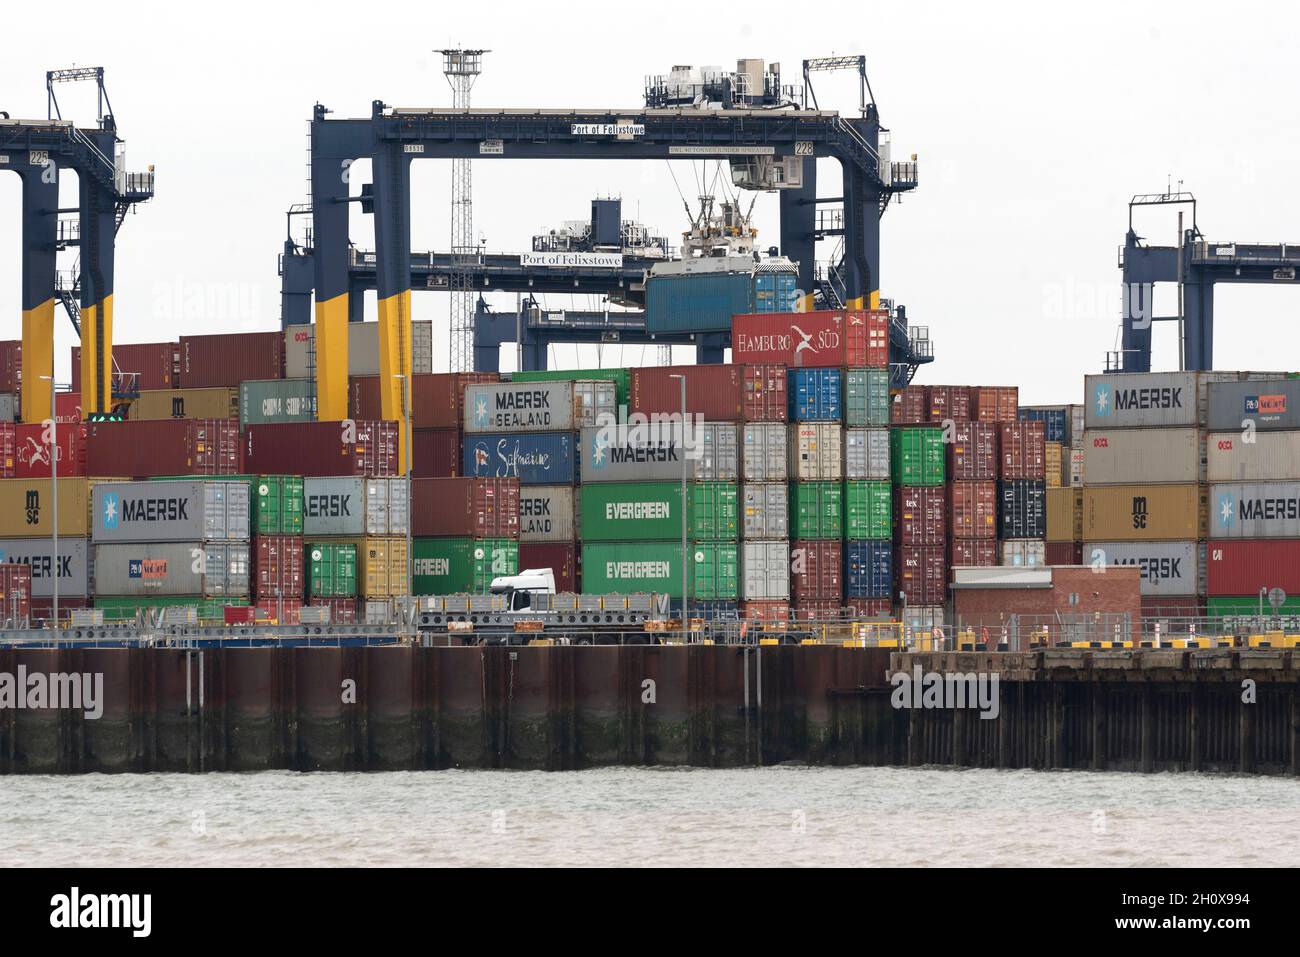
x: 34, y: 453
x: 1103, y: 400
x: 806, y: 342
x: 1227, y: 510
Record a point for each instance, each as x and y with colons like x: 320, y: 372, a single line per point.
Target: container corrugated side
x: 655, y: 452
x: 1261, y: 457
x: 470, y: 507
x: 1267, y: 405
x: 765, y: 510
x: 27, y: 507
x: 1064, y: 514
x: 828, y: 338
x: 716, y: 392
x: 866, y: 455
x: 623, y: 567
x: 171, y: 511
x: 277, y: 400
x: 363, y: 349
x: 1254, y: 510
x: 72, y: 565
x: 352, y: 447
x: 546, y: 513
x: 444, y: 566
x: 560, y: 557
x: 217, y: 402
x: 1144, y: 513
x: 141, y: 569
x: 1151, y: 456
x: 228, y: 359
x: 166, y: 447
x: 1168, y: 568
x: 697, y: 302
x: 381, y: 565
x: 1246, y: 566
x: 763, y: 450
x: 816, y: 452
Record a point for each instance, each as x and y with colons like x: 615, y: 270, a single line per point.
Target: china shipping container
x: 197, y: 403
x: 278, y: 566
x: 15, y: 594
x: 622, y: 378
x: 972, y: 455
x: 1021, y: 450
x: 142, y: 569
x: 538, y: 406
x: 817, y: 571
x: 922, y: 574
x: 170, y: 511
x: 816, y: 510
x: 917, y: 456
x: 469, y: 507
x: 355, y: 447
x: 534, y: 458
x: 227, y: 360
x: 765, y: 571
x: 1150, y: 456
x: 651, y: 511
x: 716, y: 392
x: 1167, y: 568
x: 331, y: 570
x: 1254, y: 510
x: 381, y: 565
x: 168, y: 447
x: 72, y: 564
x: 11, y: 364
x: 1243, y: 567
x: 1022, y: 508
x: 908, y: 406
x: 921, y: 515
x: 623, y: 567
x: 706, y: 301
x: 815, y: 395
x: 445, y: 566
x: 765, y: 613
x: 1065, y: 514
x: 356, y: 507
x: 866, y: 455
x: 866, y: 398
x: 363, y: 349
x: 32, y: 450
x: 655, y: 452
x: 1149, y: 399
x: 435, y: 453
x: 869, y: 569
x: 560, y: 557
x: 1024, y: 552
x: 1267, y: 405
x: 27, y: 507
x: 546, y: 513
x: 995, y: 403
x: 973, y: 509
x: 1144, y: 513
x: 765, y: 510
x: 137, y: 366
x: 868, y: 510
x: 816, y: 452
x: 437, y: 399
x: 1062, y: 553
x: 972, y: 552
x: 262, y: 401
x: 765, y: 393
x: 836, y: 339
x: 947, y: 403
x: 1269, y: 456
x: 763, y: 452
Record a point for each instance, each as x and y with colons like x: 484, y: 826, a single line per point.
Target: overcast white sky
x: 1034, y: 125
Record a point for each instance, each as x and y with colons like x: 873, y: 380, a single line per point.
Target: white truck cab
x: 520, y: 589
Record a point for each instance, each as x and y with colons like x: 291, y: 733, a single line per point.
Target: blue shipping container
x: 869, y: 568
x: 815, y: 395
x: 708, y: 610
x: 705, y: 302
x: 535, y: 458
x: 1055, y: 423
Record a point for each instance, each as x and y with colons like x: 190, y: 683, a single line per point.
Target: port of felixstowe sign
x: 607, y: 129
x: 571, y: 260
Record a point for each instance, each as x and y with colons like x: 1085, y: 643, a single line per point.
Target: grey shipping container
x: 171, y: 511
x: 765, y: 571
x: 763, y: 452
x: 1149, y: 399
x: 1255, y: 510
x: 1260, y: 457
x: 1267, y: 404
x: 816, y: 452
x: 557, y: 406
x: 546, y: 513
x: 765, y: 510
x: 1143, y: 456
x: 866, y: 455
x: 73, y: 564
x: 654, y: 452
x: 263, y: 401
x: 1018, y: 552
x: 8, y: 407
x: 363, y: 349
x: 209, y: 569
x: 1168, y: 568
x: 372, y: 507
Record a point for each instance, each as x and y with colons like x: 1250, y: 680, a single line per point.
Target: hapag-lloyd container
x: 1148, y: 399
x: 538, y: 406
x: 229, y: 359
x: 866, y: 398
x: 166, y: 447
x: 917, y: 456
x: 1022, y: 508
x: 446, y: 566
x: 278, y: 566
x: 765, y: 510
x: 815, y: 395
x: 470, y: 508
x: 1065, y: 514
x: 866, y: 455
x: 354, y: 447
x: 995, y: 403
x: 72, y: 565
x: 868, y: 569
x: 363, y: 349
x: 973, y: 509
x: 922, y: 573
x: 868, y: 510
x: 765, y: 393
x: 1152, y: 456
x: 1254, y: 510
x: 622, y: 567
x: 546, y: 513
x: 1271, y: 456
x: 1022, y: 452
x: 816, y: 510
x: 716, y: 392
x: 1144, y: 513
x: 1024, y: 552
x: 139, y: 365
x: 171, y: 511
x: 816, y: 452
x: 972, y: 456
x: 356, y: 507
x: 437, y: 399
x: 651, y: 511
x: 972, y: 552
x: 560, y: 557
x: 654, y: 452
x: 763, y: 451
x: 435, y: 453
x: 139, y: 569
x: 1244, y: 567
x: 1168, y: 568
x: 817, y: 570
x: 277, y: 400
x: 32, y: 451
x: 947, y: 403
x: 1268, y: 405
x: 827, y: 339
x: 922, y: 515
x: 534, y: 458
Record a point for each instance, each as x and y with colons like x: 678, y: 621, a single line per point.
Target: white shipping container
x: 1258, y: 457
x: 816, y: 452
x: 1074, y: 470
x: 1144, y: 456
x: 354, y: 506
x: 1024, y: 552
x: 546, y: 513
x: 765, y: 571
x: 763, y: 452
x: 363, y: 349
x: 1168, y: 568
x: 1255, y: 510
x: 765, y: 510
x: 1131, y: 400
x: 654, y: 453
x: 866, y: 455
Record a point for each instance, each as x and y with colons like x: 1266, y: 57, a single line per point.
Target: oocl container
x: 827, y: 338
x: 1167, y: 568
x: 262, y: 401
x: 546, y: 513
x: 560, y: 557
x: 166, y: 447
x: 1244, y: 567
x: 278, y: 566
x: 1144, y: 513
x: 658, y: 451
x: 480, y: 507
x: 972, y: 456
x: 1127, y: 456
x: 868, y: 510
x: 917, y: 456
x: 139, y: 569
x: 437, y: 399
x: 537, y: 406
x: 446, y: 566
x: 1267, y: 456
x: 716, y: 392
x: 765, y: 571
x: 534, y: 458
x: 922, y: 515
x: 1022, y: 452
x: 765, y: 510
x: 175, y: 511
x: 816, y: 510
x: 817, y: 571
x: 869, y: 569
x: 331, y: 570
x: 815, y: 395
x: 613, y: 568
x: 1254, y: 510
x: 816, y: 452
x: 866, y: 398
x: 866, y: 455
x: 973, y: 509
x: 1022, y: 509
x: 1267, y: 405
x: 355, y: 507
x: 763, y: 451
x: 72, y: 564
x: 227, y: 360
x: 32, y: 450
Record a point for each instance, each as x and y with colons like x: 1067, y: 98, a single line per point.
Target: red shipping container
x: 1022, y: 450
x: 1064, y: 553
x: 1176, y: 606
x: 239, y: 614
x: 995, y: 403
x: 435, y: 453
x: 947, y: 402
x: 137, y: 365
x: 343, y: 611
x: 43, y: 608
x: 973, y: 452
x: 560, y: 557
x: 279, y: 611
x: 765, y: 611
x: 862, y: 608
x: 973, y: 509
x: 816, y: 610
x: 8, y: 449
x: 11, y: 363
x: 166, y: 447
x: 15, y: 593
x: 920, y: 515
x: 765, y: 393
x: 972, y: 552
x: 713, y: 391
x: 832, y: 338
x: 278, y: 566
x: 436, y: 398
x: 922, y: 574
x: 817, y: 571
x: 224, y: 361
x: 356, y: 447
x: 470, y: 507
x: 908, y: 406
x: 33, y: 454
x: 67, y: 407
x: 1244, y: 566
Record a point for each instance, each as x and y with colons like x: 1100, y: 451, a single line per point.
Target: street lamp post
x: 410, y: 514
x: 686, y: 621
x: 54, y: 498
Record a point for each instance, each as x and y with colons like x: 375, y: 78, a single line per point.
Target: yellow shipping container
x: 1065, y: 514
x: 381, y: 565
x: 186, y: 404
x: 1144, y: 513
x: 27, y: 507
x: 1053, y: 464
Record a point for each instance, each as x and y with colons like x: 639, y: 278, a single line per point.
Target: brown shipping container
x: 973, y: 452
x: 1173, y: 606
x: 816, y: 571
x: 908, y: 406
x: 995, y: 403
x: 343, y: 611
x: 215, y: 403
x: 1022, y: 450
x: 278, y: 611
x: 435, y: 453
x: 920, y: 515
x: 713, y: 391
x: 860, y: 608
x: 966, y: 552
x: 11, y: 362
x: 437, y: 399
x: 947, y: 402
x: 1144, y: 513
x: 278, y: 567
x: 973, y: 509
x: 560, y: 557
x: 922, y: 574
x: 815, y: 610
x: 322, y: 448
x: 469, y: 507
x: 227, y: 360
x: 144, y: 365
x: 166, y: 447
x: 1064, y: 553
x: 15, y: 592
x: 765, y: 612
x: 765, y: 397
x: 1065, y: 514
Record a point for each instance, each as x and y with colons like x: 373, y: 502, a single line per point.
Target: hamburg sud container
x: 765, y: 510
x: 473, y: 507
x: 447, y: 566
x: 656, y: 451
x: 973, y: 509
x: 142, y: 569
x: 816, y: 452
x: 763, y: 452
x: 331, y: 570
x: 621, y: 378
x: 765, y: 571
x: 1022, y: 450
x: 1244, y: 567
x: 815, y: 395
x: 917, y: 456
x: 922, y: 574
x: 277, y: 566
x: 834, y: 339
x: 560, y: 557
x: 1168, y: 568
x: 1266, y: 456
x: 1144, y: 513
x: 651, y: 511
x: 866, y: 455
x: 437, y: 399
x: 537, y: 406
x: 356, y: 507
x: 868, y: 510
x: 1022, y: 508
x: 869, y: 569
x: 817, y: 571
x: 353, y: 447
x: 1124, y: 456
x: 866, y: 398
x: 167, y: 447
x: 620, y: 567
x: 72, y: 564
x: 534, y: 458
x: 716, y: 392
x: 32, y: 452
x: 546, y: 513
x: 177, y: 511
x: 1268, y: 405
x: 947, y: 403
x: 972, y: 456
x: 816, y: 510
x: 227, y: 360
x: 277, y: 400
x: 1254, y: 510
x: 922, y: 515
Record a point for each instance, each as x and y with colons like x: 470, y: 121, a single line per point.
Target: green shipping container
x: 1248, y: 607
x: 275, y: 501
x: 916, y: 455
x: 866, y: 398
x: 651, y: 511
x: 331, y: 570
x: 868, y: 510
x: 126, y: 608
x: 816, y: 510
x: 621, y: 378
x: 446, y: 566
x: 623, y: 567
x: 277, y: 400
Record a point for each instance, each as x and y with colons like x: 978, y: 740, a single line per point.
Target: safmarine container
x: 435, y: 453
x: 143, y: 365
x: 973, y: 509
x: 765, y: 510
x: 381, y: 565
x: 560, y: 557
x: 173, y: 511
x: 534, y: 458
x: 1254, y: 510
x: 72, y: 565
x: 1144, y: 400
x: 1168, y: 568
x: 1127, y: 456
x: 917, y: 455
x: 219, y: 402
x: 165, y: 447
x: 537, y: 406
x: 138, y: 569
x: 277, y: 566
x: 1267, y: 405
x: 816, y: 452
x: 32, y: 453
x: 615, y: 568
x: 1065, y: 514
x: 1022, y: 452
x: 353, y: 447
x: 227, y: 360
x: 546, y: 513
x: 815, y: 395
x: 866, y: 455
x: 763, y: 451
x: 277, y: 400
x: 1244, y: 567
x: 947, y: 403
x: 656, y: 451
x: 816, y: 510
x: 716, y: 392
x: 868, y: 510
x: 1271, y: 456
x: 331, y: 570
x: 446, y: 566
x: 922, y: 515
x: 764, y: 393
x: 437, y: 399
x: 1022, y: 508
x: 972, y: 456
x: 834, y: 338
x: 869, y: 569
x: 817, y: 570
x: 355, y: 507
x: 1144, y: 513
x: 477, y: 507
x: 622, y: 378
x: 1025, y: 552
x: 866, y: 398
x: 27, y: 507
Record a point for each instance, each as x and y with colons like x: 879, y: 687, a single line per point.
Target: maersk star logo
x: 598, y: 450
x: 1227, y: 508
x: 110, y: 511
x: 480, y: 411
x: 1103, y: 401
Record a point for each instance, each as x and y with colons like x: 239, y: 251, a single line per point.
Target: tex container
x: 534, y: 458
x: 995, y: 403
x: 15, y: 593
x: 227, y: 360
x: 866, y: 398
x: 172, y: 511
x: 546, y: 513
x: 658, y: 451
x: 1144, y: 513
x: 816, y: 510
x: 437, y: 399
x: 907, y: 406
x: 447, y: 566
x: 1254, y: 510
x: 972, y: 455
x: 622, y: 567
x: 72, y: 565
x: 474, y: 507
x: 866, y: 455
x: 331, y: 570
x: 972, y: 552
x: 701, y: 302
x: 1022, y: 508
x: 1022, y: 452
x: 765, y: 510
x: 868, y: 569
x: 381, y: 565
x: 765, y: 393
x: 33, y: 453
x: 277, y: 566
x: 139, y: 569
x: 622, y: 378
x: 716, y: 392
x: 922, y: 515
x: 1167, y: 568
x: 138, y: 365
x: 816, y: 451
x: 917, y: 456
x: 435, y: 453
x: 1267, y: 405
x: 218, y: 402
x: 830, y: 338
x: 947, y: 403
x: 1270, y: 456
x: 763, y: 451
x: 1065, y: 514
x: 868, y: 510
x: 358, y: 507
x: 1243, y: 567
x: 537, y: 406
x: 651, y: 511
x: 1151, y: 456
x: 973, y: 509
x: 27, y: 507
x: 363, y: 348
x: 817, y: 570
x: 352, y: 447
x: 560, y: 557
x: 816, y: 395
x: 165, y: 447
x: 263, y: 401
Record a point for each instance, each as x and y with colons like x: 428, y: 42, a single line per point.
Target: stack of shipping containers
x: 972, y: 473
x: 467, y: 532
x: 816, y: 492
x: 765, y: 495
x: 1063, y: 428
x: 1022, y: 493
x: 868, y: 492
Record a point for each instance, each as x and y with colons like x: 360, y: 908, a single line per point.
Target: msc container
x: 868, y: 510
x: 622, y: 378
x: 137, y: 569
x: 277, y: 566
x: 72, y: 565
x: 972, y: 552
x: 331, y: 570
x: 973, y: 509
x: 546, y: 513
x: 922, y: 515
x: 816, y: 510
x: 763, y: 451
x: 869, y: 569
x: 833, y: 338
x: 1254, y: 510
x: 1244, y: 567
x: 916, y: 456
x: 703, y: 301
x: 435, y: 453
x: 171, y: 511
x: 227, y: 360
x: 651, y: 511
x: 1022, y: 452
x: 1147, y: 399
x: 1144, y: 513
x: 908, y: 406
x: 263, y: 401
x: 560, y: 557
x: 206, y: 403
x: 1065, y: 514
x: 1271, y: 456
x: 355, y: 507
x: 716, y: 392
x: 623, y: 567
x: 947, y: 403
x: 1268, y: 405
x: 32, y: 451
x: 1022, y: 508
x: 1024, y: 552
x: 765, y: 396
x: 166, y: 447
x: 816, y: 452
x: 866, y: 398
x: 437, y: 399
x: 381, y: 565
x: 352, y: 447
x: 922, y: 574
x: 468, y: 507
x: 15, y: 594
x: 534, y: 458
x: 866, y: 455
x: 972, y: 455
x: 1167, y: 568
x: 765, y: 510
x: 27, y: 507
x: 1153, y: 456
x: 446, y: 566
x: 815, y: 395
x: 363, y: 349
x: 817, y: 571
x: 995, y: 403
x: 138, y: 365
x: 655, y: 452
x: 537, y: 406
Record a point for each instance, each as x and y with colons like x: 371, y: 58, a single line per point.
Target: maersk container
x: 816, y: 510
x: 277, y: 400
x: 1149, y: 399
x: 275, y: 501
x: 1152, y: 456
x: 701, y: 302
x: 917, y: 456
x: 1254, y: 510
x: 72, y: 566
x: 538, y: 406
x: 137, y: 569
x: 651, y: 511
x: 866, y: 455
x: 1024, y: 552
x: 869, y: 569
x: 815, y: 395
x: 1168, y: 568
x: 621, y: 378
x: 446, y: 566
x: 1267, y: 405
x: 546, y: 513
x: 868, y: 511
x: 763, y: 449
x: 175, y: 511
x: 655, y: 451
x: 1022, y: 509
x: 621, y: 567
x: 866, y: 398
x: 816, y: 452
x: 535, y: 458
x: 331, y: 570
x: 765, y: 510
x: 1245, y: 567
x: 1144, y: 513
x: 357, y: 507
x: 1264, y: 457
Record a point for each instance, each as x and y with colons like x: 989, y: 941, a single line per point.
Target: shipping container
x: 917, y: 456
x: 1252, y: 608
x: 866, y: 455
x: 460, y: 507
x: 1150, y: 456
x: 694, y: 301
x: 869, y: 569
x: 278, y: 610
x: 817, y: 610
x: 1173, y: 606
x: 972, y: 455
x: 866, y: 398
x: 833, y: 339
x: 15, y: 594
x: 67, y: 407
x: 762, y: 613
x: 277, y: 566
x: 534, y: 458
x: 995, y: 403
x: 11, y: 365
x: 815, y: 395
x: 32, y: 450
x: 651, y: 511
x: 868, y: 510
x: 869, y: 609
x: 355, y: 507
x: 139, y: 569
x: 816, y: 452
x: 9, y: 452
x: 1021, y: 450
x: 263, y: 401
x: 623, y: 567
x: 352, y: 447
x: 1149, y: 399
x: 1267, y: 405
x: 765, y: 393
x: 331, y: 570
x: 537, y: 406
x: 1144, y: 513
x: 445, y: 566
x: 656, y: 451
x: 27, y: 507
x: 1059, y: 421
x: 1244, y: 567
x: 817, y: 571
x: 972, y: 552
x: 227, y: 360
x: 1261, y: 457
x: 437, y: 399
x: 381, y: 565
x: 765, y: 510
x: 947, y: 403
x: 622, y: 379
x: 1074, y: 470
x: 922, y: 574
x: 765, y: 571
x: 1053, y: 464
x: 166, y: 447
x: 716, y: 392
x: 763, y: 451
x: 546, y: 513
x: 1022, y: 509
x: 275, y: 501
x: 1065, y: 515
x: 72, y: 564
x: 972, y: 510
x: 197, y: 403
x: 908, y: 406
x: 560, y: 557
x: 363, y: 349
x: 132, y: 607
x: 1168, y: 568
x: 1254, y: 510
x: 138, y: 366
x: 171, y: 511
x: 816, y: 510
x: 9, y: 407
x: 1063, y: 553
x: 1024, y: 552
x: 921, y: 515
x: 435, y: 453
